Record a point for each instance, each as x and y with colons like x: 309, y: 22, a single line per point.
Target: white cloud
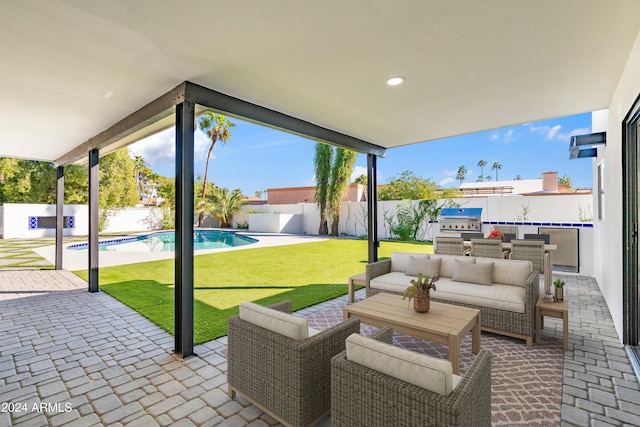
x: 157, y: 149
x: 553, y: 133
x: 160, y: 148
x: 509, y: 136
x: 446, y: 181
x: 565, y: 137
x: 357, y: 171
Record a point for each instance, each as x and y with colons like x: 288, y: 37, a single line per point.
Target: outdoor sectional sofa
x: 505, y: 291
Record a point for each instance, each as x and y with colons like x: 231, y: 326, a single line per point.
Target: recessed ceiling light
x: 395, y: 81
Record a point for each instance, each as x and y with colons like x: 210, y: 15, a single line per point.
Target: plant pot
x: 422, y: 302
x: 558, y: 293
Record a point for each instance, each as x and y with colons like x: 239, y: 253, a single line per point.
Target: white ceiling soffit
x: 71, y: 69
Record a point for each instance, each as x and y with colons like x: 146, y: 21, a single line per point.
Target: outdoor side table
x: 359, y: 279
x: 559, y: 310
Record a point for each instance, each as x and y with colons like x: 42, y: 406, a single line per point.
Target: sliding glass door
x: 631, y: 244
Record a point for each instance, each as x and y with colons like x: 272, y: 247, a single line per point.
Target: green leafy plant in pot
x: 558, y: 286
x: 419, y: 292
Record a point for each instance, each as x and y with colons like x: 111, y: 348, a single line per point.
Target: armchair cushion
x: 480, y: 273
x: 276, y: 321
x: 418, y: 369
x: 420, y: 264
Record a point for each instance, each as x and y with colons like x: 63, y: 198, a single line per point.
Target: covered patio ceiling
x: 73, y: 68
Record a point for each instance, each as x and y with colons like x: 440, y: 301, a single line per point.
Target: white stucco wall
x: 15, y: 220
x: 608, y: 233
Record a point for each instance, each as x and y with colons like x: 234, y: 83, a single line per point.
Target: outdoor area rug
x: 526, y: 383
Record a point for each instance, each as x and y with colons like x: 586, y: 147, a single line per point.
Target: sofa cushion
x: 419, y: 264
x: 473, y: 273
x: 393, y: 282
x: 509, y: 272
x: 274, y: 320
x: 447, y: 262
x: 400, y: 260
x: 498, y: 296
x: 424, y: 371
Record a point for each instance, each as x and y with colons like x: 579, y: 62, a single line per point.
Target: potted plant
x: 419, y: 291
x: 558, y: 285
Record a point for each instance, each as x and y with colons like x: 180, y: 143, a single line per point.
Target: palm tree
x: 496, y: 166
x: 225, y: 203
x: 216, y: 127
x: 462, y: 172
x: 322, y: 165
x: 481, y: 164
x: 340, y: 174
x: 138, y: 164
x: 488, y: 178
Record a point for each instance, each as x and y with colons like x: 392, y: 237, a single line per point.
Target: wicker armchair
x: 361, y: 396
x: 449, y: 246
x: 288, y: 379
x: 487, y: 248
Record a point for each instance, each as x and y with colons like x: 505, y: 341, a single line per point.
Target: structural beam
x: 185, y: 117
x: 132, y: 128
x: 59, y: 215
x: 94, y: 216
x: 372, y: 206
x: 247, y: 111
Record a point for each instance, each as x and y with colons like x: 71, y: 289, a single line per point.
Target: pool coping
x: 78, y: 260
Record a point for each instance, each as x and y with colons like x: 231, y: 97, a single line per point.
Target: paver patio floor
x: 68, y: 357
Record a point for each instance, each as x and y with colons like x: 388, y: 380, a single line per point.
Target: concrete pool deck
x: 78, y: 259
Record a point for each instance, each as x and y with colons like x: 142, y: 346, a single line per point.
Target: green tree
x: 462, y: 173
x: 488, y: 178
x: 29, y: 181
x: 117, y: 185
x: 167, y: 190
x: 225, y: 203
x: 339, y: 183
x: 564, y: 180
x: 322, y: 167
x: 408, y: 186
x: 496, y: 166
x: 481, y: 164
x: 362, y: 180
x: 216, y: 127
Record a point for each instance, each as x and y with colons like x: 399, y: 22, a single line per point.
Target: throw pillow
x: 473, y: 273
x: 428, y: 267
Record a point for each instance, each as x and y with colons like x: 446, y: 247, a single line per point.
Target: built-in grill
x: 460, y: 219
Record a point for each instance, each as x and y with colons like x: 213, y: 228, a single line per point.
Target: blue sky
x: 258, y: 158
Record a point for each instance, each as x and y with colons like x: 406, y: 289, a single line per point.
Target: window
x: 601, y: 191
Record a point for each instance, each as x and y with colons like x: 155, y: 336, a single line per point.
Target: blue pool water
x: 165, y: 241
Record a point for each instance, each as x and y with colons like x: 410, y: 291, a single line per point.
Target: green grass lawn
x: 307, y: 274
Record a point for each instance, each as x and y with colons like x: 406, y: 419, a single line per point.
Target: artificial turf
x: 306, y: 274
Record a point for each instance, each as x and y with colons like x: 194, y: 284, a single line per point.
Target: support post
x: 59, y: 215
x: 94, y: 160
x: 372, y: 206
x: 185, y: 116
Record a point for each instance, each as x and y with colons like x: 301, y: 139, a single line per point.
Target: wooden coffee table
x: 444, y: 323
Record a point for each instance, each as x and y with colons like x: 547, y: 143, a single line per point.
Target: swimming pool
x: 165, y: 241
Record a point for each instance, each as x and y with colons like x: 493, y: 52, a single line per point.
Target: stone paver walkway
x: 72, y: 358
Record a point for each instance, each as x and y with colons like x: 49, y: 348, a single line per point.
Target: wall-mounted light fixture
x: 577, y: 149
